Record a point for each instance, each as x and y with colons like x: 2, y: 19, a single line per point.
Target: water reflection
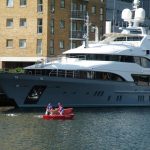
x: 92, y: 129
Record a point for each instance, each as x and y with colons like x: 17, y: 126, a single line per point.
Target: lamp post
x: 114, y: 14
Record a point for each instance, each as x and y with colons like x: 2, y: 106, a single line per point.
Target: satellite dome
x: 140, y: 14
x: 136, y: 2
x: 126, y: 15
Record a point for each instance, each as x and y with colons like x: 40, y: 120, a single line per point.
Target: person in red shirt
x: 60, y: 109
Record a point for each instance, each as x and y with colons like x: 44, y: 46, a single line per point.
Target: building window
x: 101, y: 32
x: 74, y: 6
x: 9, y: 23
x: 51, y: 47
x: 22, y: 43
x: 23, y: 3
x: 101, y: 11
x: 74, y: 26
x: 82, y: 7
x: 52, y: 26
x: 62, y: 3
x: 10, y: 3
x: 52, y: 6
x: 39, y: 26
x: 101, y: 14
x: 74, y: 45
x: 39, y: 47
x: 9, y: 43
x: 94, y: 9
x: 40, y: 6
x: 92, y: 29
x: 62, y: 24
x: 23, y: 22
x: 61, y: 44
x: 101, y: 17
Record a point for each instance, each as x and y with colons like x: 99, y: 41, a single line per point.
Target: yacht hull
x: 38, y: 91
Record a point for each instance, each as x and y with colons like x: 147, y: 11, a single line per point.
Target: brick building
x: 31, y: 30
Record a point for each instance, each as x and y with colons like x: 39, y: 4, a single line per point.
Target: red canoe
x: 68, y: 111
x: 58, y: 117
x: 68, y: 114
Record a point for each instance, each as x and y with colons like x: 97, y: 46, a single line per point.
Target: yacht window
x: 145, y: 63
x: 61, y: 73
x: 108, y: 76
x: 103, y: 57
x: 80, y: 74
x: 53, y: 73
x: 116, y: 58
x: 35, y: 94
x: 69, y: 73
x: 120, y: 39
x: 82, y: 57
x: 103, y: 38
x: 143, y: 80
x: 135, y: 31
x: 137, y: 60
x: 127, y: 59
x: 134, y: 38
x: 130, y: 38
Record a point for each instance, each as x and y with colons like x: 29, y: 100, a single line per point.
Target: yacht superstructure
x: 111, y: 72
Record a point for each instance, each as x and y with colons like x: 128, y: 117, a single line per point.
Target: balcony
x: 78, y: 15
x: 77, y: 35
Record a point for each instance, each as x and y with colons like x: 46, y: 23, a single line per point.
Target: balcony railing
x: 77, y: 34
x: 78, y: 14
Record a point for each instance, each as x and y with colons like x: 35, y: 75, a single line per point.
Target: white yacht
x: 111, y: 72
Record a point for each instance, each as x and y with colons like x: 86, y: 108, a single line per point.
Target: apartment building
x: 32, y: 30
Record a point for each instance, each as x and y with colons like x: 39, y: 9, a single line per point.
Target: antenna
x: 139, y: 14
x: 87, y: 24
x: 114, y: 12
x: 136, y: 4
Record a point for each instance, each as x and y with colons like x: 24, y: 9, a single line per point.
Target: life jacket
x: 49, y: 107
x: 60, y: 108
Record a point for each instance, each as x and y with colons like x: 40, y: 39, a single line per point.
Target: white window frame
x: 8, y: 45
x: 62, y: 24
x: 23, y: 22
x: 52, y: 6
x: 93, y: 9
x: 101, y: 17
x: 101, y: 11
x: 39, y: 25
x: 22, y: 43
x: 62, y: 3
x: 61, y: 44
x: 39, y: 47
x: 39, y: 6
x: 10, y: 3
x: 9, y: 23
x: 23, y: 3
x: 52, y: 26
x: 51, y: 45
x: 74, y: 45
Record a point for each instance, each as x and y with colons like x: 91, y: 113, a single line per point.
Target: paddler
x: 60, y: 108
x: 49, y: 109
